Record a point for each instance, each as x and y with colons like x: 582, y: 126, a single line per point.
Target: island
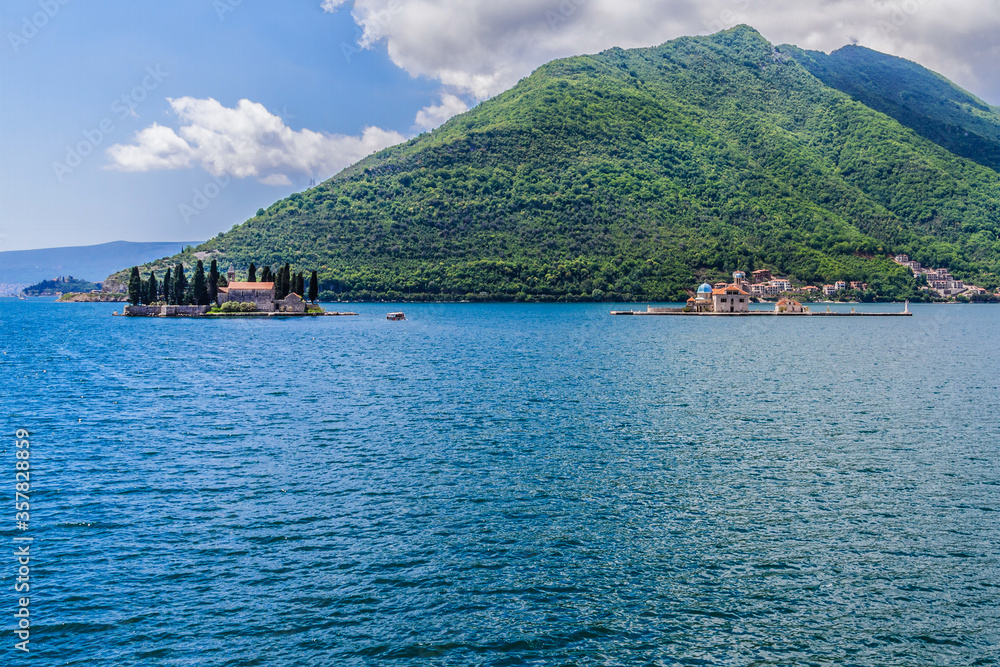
x: 733, y: 299
x: 248, y: 298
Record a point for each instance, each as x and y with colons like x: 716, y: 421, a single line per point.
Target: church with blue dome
x: 722, y: 298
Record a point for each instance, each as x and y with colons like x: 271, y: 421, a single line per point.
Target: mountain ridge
x: 91, y: 262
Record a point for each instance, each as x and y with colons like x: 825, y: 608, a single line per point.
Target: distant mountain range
x: 91, y: 263
x: 634, y: 174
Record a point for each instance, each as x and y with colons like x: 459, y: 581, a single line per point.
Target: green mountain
x: 920, y: 99
x: 633, y: 175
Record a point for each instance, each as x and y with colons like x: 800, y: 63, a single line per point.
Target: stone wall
x: 263, y: 299
x: 292, y: 303
x: 165, y: 311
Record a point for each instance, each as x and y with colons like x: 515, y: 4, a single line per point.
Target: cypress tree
x: 286, y: 280
x: 152, y: 291
x: 251, y: 274
x: 300, y: 285
x: 167, y: 285
x: 313, y: 287
x: 180, y: 284
x: 134, y: 287
x: 213, y: 282
x: 200, y: 289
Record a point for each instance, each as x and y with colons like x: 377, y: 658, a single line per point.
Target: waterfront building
x: 789, y: 306
x: 702, y: 301
x: 781, y: 285
x: 730, y: 299
x: 261, y: 295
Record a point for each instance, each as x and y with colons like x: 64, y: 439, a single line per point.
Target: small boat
x: 395, y: 316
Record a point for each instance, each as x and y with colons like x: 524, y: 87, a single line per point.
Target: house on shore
x: 790, y: 306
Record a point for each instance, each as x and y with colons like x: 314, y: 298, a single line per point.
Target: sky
x: 176, y: 121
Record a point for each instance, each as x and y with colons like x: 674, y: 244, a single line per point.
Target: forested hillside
x: 918, y: 98
x: 633, y: 175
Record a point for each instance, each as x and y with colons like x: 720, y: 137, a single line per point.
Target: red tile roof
x: 251, y: 286
x: 730, y: 289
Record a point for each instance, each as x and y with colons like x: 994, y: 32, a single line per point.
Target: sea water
x: 504, y: 485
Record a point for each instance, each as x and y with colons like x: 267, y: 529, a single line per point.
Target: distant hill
x: 634, y: 174
x: 922, y: 100
x: 60, y: 285
x: 91, y: 263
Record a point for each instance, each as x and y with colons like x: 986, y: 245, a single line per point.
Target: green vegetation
x: 152, y: 291
x: 63, y: 285
x: 134, y: 287
x: 199, y: 289
x: 926, y: 102
x: 635, y: 175
x: 235, y: 307
x: 213, y: 282
x: 313, y: 286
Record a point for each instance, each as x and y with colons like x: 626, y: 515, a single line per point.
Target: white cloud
x: 483, y: 48
x: 244, y: 141
x: 433, y: 116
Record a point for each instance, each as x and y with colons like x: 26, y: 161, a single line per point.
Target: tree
x: 251, y: 274
x: 167, y: 287
x: 152, y: 291
x: 213, y: 282
x: 200, y: 291
x: 313, y: 287
x: 134, y: 287
x: 265, y: 275
x: 283, y: 283
x: 180, y: 285
x: 300, y: 285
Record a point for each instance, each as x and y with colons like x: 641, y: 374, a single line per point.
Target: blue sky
x: 175, y: 121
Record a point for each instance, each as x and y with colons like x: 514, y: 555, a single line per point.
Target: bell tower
x: 231, y: 275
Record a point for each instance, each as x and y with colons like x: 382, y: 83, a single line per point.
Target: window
x: 741, y: 299
x: 723, y: 299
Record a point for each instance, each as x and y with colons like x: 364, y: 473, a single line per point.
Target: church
x: 725, y: 299
x: 261, y: 295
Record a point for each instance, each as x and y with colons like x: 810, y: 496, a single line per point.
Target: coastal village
x: 940, y: 281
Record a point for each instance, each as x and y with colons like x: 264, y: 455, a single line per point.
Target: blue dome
x: 705, y: 289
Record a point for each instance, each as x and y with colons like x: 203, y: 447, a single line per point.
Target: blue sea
x: 504, y: 485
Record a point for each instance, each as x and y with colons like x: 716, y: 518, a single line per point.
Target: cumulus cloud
x: 483, y: 48
x: 432, y: 116
x: 244, y: 141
